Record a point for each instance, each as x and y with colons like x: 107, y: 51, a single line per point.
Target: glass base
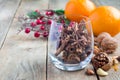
x: 70, y: 67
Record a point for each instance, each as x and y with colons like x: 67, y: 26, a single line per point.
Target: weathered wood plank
x: 22, y: 56
x: 7, y: 11
x: 59, y: 4
x: 52, y: 72
x: 115, y: 3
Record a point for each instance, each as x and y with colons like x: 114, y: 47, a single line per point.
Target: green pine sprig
x: 33, y: 15
x: 59, y: 12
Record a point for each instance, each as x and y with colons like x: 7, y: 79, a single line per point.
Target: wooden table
x: 23, y: 57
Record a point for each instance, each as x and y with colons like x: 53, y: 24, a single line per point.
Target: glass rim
x: 85, y: 18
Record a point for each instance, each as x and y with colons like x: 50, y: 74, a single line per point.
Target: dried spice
x: 74, y: 43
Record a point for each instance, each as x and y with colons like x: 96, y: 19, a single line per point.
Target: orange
x: 105, y: 19
x: 75, y: 8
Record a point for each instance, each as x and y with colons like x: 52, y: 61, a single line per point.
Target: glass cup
x: 70, y: 47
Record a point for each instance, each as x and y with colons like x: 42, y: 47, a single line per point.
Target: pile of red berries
x: 41, y: 28
x: 40, y: 21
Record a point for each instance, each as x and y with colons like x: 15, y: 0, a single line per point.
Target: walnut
x: 107, y: 66
x: 96, y: 50
x: 90, y: 72
x: 101, y: 60
x: 101, y: 36
x: 109, y: 44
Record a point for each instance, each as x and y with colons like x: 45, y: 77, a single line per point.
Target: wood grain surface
x: 8, y: 9
x: 115, y: 3
x: 23, y: 57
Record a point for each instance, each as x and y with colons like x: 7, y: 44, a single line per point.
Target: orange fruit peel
x: 105, y: 19
x: 76, y: 8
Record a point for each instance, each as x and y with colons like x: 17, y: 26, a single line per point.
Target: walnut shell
x: 107, y: 66
x: 101, y: 60
x: 101, y: 36
x: 118, y: 58
x: 109, y: 44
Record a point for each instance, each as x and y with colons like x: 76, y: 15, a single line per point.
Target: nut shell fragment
x: 96, y: 50
x: 90, y: 72
x: 118, y: 58
x: 115, y: 64
x: 101, y: 72
x: 106, y: 67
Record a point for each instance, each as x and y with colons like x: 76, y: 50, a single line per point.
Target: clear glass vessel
x: 71, y: 47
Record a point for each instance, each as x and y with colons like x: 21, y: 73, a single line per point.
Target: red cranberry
x: 71, y: 23
x: 42, y: 27
x: 45, y: 34
x: 37, y: 34
x: 43, y: 23
x: 62, y: 21
x: 49, y: 22
x: 39, y: 21
x: 41, y: 17
x: 33, y: 24
x: 49, y: 13
x: 27, y: 30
